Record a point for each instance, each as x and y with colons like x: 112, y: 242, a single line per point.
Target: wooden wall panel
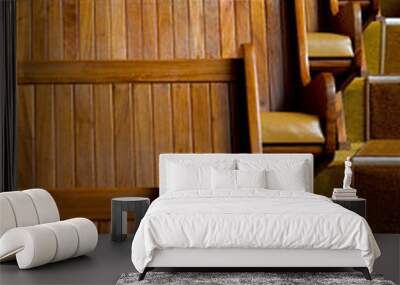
x: 84, y: 136
x: 221, y: 135
x: 227, y: 18
x: 109, y: 135
x: 26, y: 136
x: 45, y: 159
x: 212, y: 29
x: 201, y: 118
x: 163, y: 129
x: 70, y: 29
x: 259, y: 25
x: 182, y: 118
x: 104, y: 136
x: 124, y: 136
x: 65, y: 135
x: 144, y: 135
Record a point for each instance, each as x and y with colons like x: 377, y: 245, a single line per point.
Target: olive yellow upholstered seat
x: 329, y: 45
x: 291, y: 128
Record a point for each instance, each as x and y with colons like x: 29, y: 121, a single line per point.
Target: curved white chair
x: 31, y: 230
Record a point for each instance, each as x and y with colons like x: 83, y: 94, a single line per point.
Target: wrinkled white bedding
x: 250, y: 218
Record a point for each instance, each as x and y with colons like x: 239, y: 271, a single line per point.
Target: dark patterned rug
x: 269, y: 278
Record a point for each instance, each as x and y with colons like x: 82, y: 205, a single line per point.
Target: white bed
x: 248, y: 227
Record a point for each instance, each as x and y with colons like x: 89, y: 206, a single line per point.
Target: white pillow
x: 188, y: 177
x: 292, y: 180
x: 251, y: 178
x: 223, y: 178
x: 281, y: 174
x: 236, y: 179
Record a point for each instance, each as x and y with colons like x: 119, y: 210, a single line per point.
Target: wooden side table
x: 119, y: 208
x: 357, y: 205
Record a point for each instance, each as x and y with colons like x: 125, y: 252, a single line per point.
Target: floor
x: 110, y: 260
x: 103, y: 266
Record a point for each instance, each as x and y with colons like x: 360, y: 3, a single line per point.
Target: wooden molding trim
x: 334, y: 5
x: 116, y: 71
x: 253, y: 105
x: 301, y: 27
x: 94, y: 204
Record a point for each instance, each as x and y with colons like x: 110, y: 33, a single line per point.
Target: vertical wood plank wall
x: 110, y: 135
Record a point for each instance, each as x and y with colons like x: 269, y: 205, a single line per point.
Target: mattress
x: 250, y: 219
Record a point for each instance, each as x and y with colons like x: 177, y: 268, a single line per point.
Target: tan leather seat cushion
x: 329, y: 45
x: 380, y: 148
x: 291, y: 128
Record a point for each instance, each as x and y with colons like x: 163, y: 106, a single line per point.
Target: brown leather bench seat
x: 284, y: 131
x: 329, y: 45
x: 377, y: 178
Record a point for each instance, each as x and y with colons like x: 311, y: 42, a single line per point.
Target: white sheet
x: 251, y: 218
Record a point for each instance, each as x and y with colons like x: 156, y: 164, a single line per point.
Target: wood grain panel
x: 24, y: 30
x: 144, y: 136
x: 149, y: 22
x: 134, y: 28
x: 163, y: 133
x: 26, y: 136
x: 39, y: 30
x: 100, y: 71
x: 182, y: 118
x: 227, y: 19
x: 84, y: 136
x: 243, y: 29
x: 181, y: 28
x: 118, y: 29
x: 275, y: 53
x: 165, y: 29
x: 71, y: 29
x: 103, y: 29
x: 73, y: 203
x: 45, y: 159
x: 102, y: 95
x: 221, y: 133
x: 162, y: 100
x: 212, y: 29
x: 25, y: 102
x: 104, y: 135
x: 65, y: 134
x: 123, y: 133
x: 201, y: 118
x: 196, y: 24
x: 86, y: 23
x: 106, y: 129
x: 259, y: 40
x: 64, y: 101
x: 312, y: 15
x: 55, y: 30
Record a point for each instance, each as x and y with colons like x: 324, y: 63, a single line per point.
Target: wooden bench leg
x: 364, y: 271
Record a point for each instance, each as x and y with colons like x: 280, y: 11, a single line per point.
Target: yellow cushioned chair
x: 329, y: 39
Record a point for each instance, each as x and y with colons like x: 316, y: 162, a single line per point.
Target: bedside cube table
x: 119, y: 208
x: 357, y: 205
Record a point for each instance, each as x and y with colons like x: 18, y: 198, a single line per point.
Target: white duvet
x: 250, y: 219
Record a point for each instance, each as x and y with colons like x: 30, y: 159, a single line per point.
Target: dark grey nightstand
x: 119, y: 208
x: 357, y: 205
